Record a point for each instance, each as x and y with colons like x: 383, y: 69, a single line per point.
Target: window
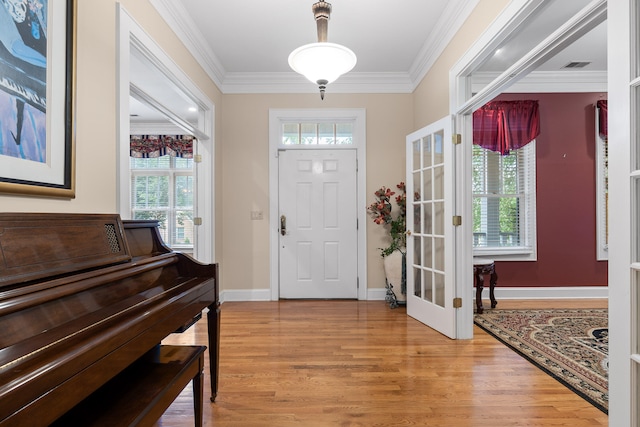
x: 504, y: 203
x: 162, y: 189
x: 317, y: 133
x: 602, y: 183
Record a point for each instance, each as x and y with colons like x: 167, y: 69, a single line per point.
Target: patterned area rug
x: 571, y: 345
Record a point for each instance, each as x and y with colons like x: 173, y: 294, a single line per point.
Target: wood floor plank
x: 359, y: 363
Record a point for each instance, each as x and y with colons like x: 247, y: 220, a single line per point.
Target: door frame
x: 130, y: 33
x: 276, y: 118
x: 462, y: 104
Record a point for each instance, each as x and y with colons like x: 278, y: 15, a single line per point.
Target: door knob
x: 283, y: 225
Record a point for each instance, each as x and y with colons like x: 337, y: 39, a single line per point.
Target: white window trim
x: 521, y: 253
x: 171, y: 209
x: 602, y: 246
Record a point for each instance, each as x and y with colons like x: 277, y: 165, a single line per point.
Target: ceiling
x: 244, y: 44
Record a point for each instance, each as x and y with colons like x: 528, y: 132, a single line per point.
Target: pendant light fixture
x: 322, y: 62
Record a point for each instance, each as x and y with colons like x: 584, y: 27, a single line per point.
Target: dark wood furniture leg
x: 493, y: 279
x: 213, y: 326
x: 480, y: 268
x: 198, y: 395
x: 477, y: 272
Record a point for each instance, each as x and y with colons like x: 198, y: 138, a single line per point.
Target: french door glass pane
x: 427, y: 261
x: 428, y: 218
x: 438, y: 182
x: 416, y: 158
x: 427, y: 185
x: 438, y: 289
x: 417, y: 282
x: 426, y: 152
x: 427, y: 293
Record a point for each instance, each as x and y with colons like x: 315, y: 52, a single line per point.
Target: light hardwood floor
x: 359, y: 363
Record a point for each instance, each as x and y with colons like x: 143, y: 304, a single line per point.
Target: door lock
x: 283, y: 225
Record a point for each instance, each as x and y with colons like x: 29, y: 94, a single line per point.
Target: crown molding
x: 452, y: 19
x: 289, y: 82
x: 446, y: 28
x: 548, y: 81
x: 185, y: 28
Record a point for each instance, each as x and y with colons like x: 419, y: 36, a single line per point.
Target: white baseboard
x: 245, y: 295
x: 378, y: 294
x: 562, y: 292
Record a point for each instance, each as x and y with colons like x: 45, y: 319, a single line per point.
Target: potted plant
x: 394, y: 255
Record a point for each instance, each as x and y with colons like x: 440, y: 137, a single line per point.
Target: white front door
x: 318, y: 248
x: 430, y: 244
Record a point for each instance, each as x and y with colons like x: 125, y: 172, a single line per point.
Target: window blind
x: 504, y: 201
x: 162, y: 188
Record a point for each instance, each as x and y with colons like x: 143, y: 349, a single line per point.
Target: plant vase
x: 395, y: 269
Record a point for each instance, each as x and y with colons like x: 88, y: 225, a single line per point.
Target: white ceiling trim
x: 182, y: 24
x: 446, y: 28
x: 290, y: 82
x: 178, y: 19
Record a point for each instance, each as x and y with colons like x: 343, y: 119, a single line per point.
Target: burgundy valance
x: 147, y: 146
x: 502, y: 126
x: 603, y: 121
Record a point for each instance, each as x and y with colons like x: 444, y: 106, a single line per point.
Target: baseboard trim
x: 562, y: 292
x: 245, y: 295
x: 379, y: 294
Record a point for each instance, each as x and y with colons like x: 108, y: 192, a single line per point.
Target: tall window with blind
x: 504, y: 201
x: 162, y: 188
x: 504, y: 165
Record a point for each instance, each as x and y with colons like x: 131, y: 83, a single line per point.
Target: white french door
x: 318, y: 243
x: 430, y: 225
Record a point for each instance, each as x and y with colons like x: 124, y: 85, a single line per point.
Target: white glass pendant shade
x: 322, y: 61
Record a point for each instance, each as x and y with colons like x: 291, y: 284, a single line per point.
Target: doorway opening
x: 480, y: 76
x: 155, y: 97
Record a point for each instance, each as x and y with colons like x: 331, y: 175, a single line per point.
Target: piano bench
x: 140, y: 394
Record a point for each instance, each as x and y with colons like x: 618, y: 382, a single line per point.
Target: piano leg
x: 213, y: 326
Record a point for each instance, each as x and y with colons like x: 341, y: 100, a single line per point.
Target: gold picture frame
x: 37, y: 97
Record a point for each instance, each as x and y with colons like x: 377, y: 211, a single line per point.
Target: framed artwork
x: 37, y: 92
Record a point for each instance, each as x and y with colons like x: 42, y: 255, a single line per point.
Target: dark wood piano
x: 84, y: 296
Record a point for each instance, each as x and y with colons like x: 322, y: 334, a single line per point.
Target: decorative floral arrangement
x: 380, y: 211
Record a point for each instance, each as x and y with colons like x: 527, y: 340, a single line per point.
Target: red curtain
x: 503, y: 126
x: 147, y: 146
x: 603, y: 120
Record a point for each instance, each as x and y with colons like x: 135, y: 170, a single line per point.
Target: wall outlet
x: 256, y: 215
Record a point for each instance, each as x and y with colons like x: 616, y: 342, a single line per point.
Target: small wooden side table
x: 482, y: 266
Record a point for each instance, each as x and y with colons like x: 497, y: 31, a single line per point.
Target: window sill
x: 506, y: 254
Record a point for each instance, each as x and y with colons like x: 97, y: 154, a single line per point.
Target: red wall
x: 566, y: 204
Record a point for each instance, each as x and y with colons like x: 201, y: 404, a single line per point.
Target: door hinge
x: 197, y: 221
x: 357, y: 282
x: 456, y: 139
x: 197, y: 158
x: 457, y: 302
x: 457, y: 220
